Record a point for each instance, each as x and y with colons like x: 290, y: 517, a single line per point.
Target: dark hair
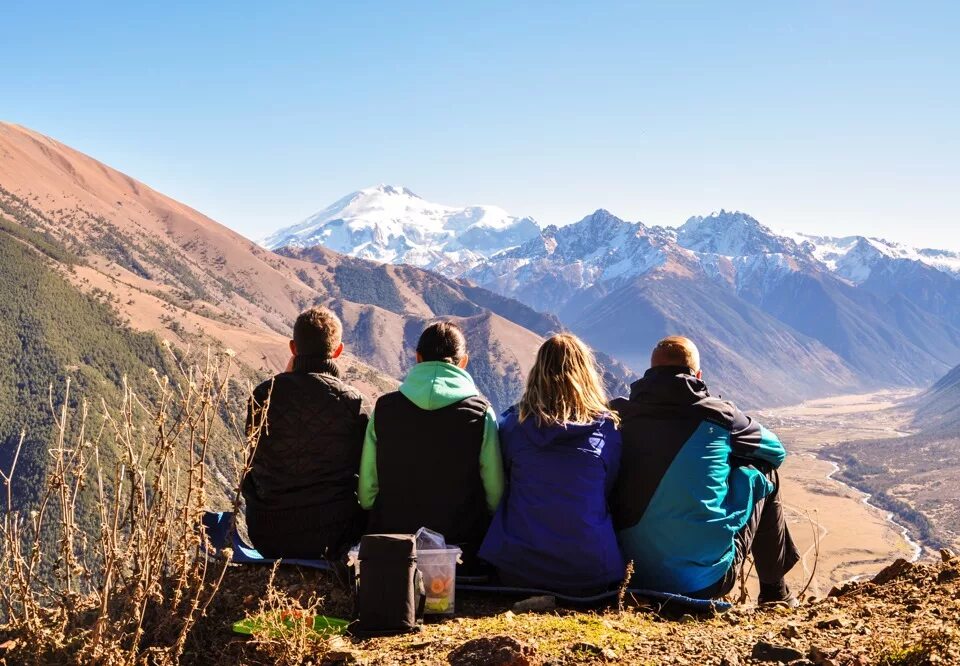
x: 442, y: 341
x: 317, y: 332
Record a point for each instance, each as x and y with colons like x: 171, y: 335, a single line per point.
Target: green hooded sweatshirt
x: 434, y: 385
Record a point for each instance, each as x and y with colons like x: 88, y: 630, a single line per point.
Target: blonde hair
x: 564, y: 385
x: 676, y: 351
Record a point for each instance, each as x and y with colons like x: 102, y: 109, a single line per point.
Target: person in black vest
x: 431, y: 457
x: 301, y: 488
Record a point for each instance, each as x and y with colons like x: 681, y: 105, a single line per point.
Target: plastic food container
x: 438, y: 566
x: 439, y: 570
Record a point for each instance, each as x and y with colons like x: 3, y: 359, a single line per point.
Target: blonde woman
x: 561, y: 452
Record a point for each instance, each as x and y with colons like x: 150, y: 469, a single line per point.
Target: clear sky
x: 827, y: 117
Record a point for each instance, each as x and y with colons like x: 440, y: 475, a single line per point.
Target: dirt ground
x: 910, y: 616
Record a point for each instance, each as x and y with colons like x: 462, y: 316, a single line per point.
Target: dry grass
x: 286, y: 635
x: 127, y: 584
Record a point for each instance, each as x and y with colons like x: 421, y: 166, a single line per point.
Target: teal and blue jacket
x: 693, y: 467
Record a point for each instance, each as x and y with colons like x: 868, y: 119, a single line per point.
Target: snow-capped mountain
x: 732, y: 234
x: 853, y: 257
x: 560, y: 262
x: 890, y: 316
x: 391, y: 224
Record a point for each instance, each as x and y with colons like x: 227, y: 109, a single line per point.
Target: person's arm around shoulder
x: 491, y: 461
x: 369, y: 484
x: 753, y: 442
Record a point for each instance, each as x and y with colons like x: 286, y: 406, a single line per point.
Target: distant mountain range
x: 781, y: 317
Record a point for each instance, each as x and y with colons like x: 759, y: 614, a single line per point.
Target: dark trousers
x: 767, y: 537
x: 296, y: 534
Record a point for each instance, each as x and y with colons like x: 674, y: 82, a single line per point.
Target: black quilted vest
x: 309, y: 454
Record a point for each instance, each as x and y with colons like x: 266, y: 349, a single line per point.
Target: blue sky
x: 827, y: 117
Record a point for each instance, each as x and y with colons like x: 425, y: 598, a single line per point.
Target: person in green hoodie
x: 431, y: 456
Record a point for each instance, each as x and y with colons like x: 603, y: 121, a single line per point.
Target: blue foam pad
x: 666, y: 597
x: 221, y: 534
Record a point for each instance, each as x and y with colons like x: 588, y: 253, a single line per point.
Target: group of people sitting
x: 560, y: 492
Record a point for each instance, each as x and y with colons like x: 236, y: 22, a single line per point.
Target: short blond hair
x: 678, y: 351
x: 564, y: 385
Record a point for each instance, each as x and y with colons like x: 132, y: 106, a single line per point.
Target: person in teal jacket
x: 431, y: 457
x: 698, y: 489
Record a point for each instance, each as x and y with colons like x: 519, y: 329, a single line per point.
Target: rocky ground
x: 908, y: 615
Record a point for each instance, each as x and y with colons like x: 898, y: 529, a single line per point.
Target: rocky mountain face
x: 781, y: 317
x: 742, y: 291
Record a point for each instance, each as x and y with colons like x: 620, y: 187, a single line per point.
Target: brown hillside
x: 168, y: 268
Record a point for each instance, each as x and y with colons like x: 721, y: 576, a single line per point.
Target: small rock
x: 609, y: 655
x: 732, y: 618
x: 543, y: 603
x: 509, y: 616
x: 340, y: 657
x: 792, y: 630
x: 840, y: 590
x: 583, y: 646
x: 892, y: 572
x: 764, y: 651
x: 947, y: 575
x: 946, y: 554
x: 730, y: 659
x: 833, y: 622
x: 493, y: 651
x: 822, y: 657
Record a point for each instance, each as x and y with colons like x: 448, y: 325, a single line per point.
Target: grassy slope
x: 49, y: 331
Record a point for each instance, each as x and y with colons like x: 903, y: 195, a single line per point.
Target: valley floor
x: 854, y: 539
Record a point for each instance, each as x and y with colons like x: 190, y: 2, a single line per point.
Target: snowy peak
x: 855, y: 257
x: 392, y: 224
x: 732, y: 234
x: 392, y: 190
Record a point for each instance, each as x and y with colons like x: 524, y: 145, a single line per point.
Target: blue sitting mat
x: 221, y: 534
x: 473, y: 584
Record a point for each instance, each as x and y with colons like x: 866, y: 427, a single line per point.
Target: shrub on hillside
x: 130, y: 590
